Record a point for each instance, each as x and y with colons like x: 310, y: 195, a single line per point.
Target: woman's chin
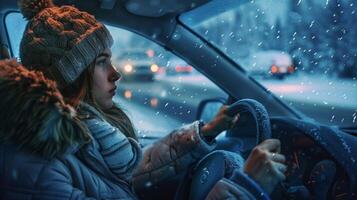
x: 106, y: 105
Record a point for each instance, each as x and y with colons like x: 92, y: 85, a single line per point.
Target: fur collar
x: 34, y: 115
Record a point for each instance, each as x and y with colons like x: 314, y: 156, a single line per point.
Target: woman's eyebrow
x: 104, y: 54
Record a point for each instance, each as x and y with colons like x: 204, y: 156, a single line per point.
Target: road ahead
x: 331, y: 101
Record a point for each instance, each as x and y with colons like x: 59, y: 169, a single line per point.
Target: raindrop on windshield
x: 176, y: 36
x: 332, y: 118
x: 148, y: 184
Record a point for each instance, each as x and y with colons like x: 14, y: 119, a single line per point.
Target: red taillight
x: 274, y: 69
x: 180, y: 68
x: 291, y: 69
x: 189, y: 68
x: 177, y: 68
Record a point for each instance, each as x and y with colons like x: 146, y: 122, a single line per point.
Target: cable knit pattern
x: 61, y: 41
x: 30, y: 8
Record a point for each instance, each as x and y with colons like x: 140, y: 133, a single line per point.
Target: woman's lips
x: 112, y: 91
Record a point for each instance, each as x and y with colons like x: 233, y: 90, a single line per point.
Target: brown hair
x: 81, y: 89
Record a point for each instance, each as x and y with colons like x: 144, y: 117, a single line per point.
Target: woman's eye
x: 101, y: 62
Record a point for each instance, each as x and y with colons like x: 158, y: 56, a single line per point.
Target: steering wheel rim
x: 211, y: 169
x: 259, y: 114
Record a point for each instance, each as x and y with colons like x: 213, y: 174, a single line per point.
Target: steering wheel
x: 212, y: 167
x: 257, y: 114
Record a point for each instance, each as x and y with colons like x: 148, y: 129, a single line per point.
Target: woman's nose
x: 115, y: 75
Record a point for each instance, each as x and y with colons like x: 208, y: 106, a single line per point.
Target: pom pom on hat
x: 30, y: 8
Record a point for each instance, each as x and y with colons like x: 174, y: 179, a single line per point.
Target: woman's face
x: 104, y: 78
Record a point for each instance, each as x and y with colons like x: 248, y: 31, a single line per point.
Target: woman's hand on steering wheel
x: 219, y: 123
x: 227, y: 189
x: 266, y: 165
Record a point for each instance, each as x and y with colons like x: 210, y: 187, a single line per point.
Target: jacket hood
x: 34, y: 115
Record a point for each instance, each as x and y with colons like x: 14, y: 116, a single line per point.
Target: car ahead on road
x: 269, y: 63
x: 317, y: 137
x: 176, y: 66
x: 136, y: 65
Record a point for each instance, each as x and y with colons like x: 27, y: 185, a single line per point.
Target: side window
x: 15, y: 26
x: 159, y: 90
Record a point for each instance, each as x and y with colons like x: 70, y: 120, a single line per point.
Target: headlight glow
x: 128, y: 68
x: 154, y: 68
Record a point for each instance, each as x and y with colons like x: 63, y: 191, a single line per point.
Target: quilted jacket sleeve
x: 36, y: 179
x: 171, y: 155
x: 53, y: 183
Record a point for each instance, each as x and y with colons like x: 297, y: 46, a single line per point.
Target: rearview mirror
x: 208, y: 108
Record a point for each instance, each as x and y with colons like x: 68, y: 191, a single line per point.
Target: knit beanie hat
x: 34, y: 115
x: 60, y: 41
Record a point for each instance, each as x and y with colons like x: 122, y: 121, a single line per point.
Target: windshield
x: 302, y: 51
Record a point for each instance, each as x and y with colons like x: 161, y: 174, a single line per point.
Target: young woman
x: 72, y: 48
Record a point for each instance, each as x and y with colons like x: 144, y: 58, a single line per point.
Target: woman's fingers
x: 223, y: 109
x: 265, y: 164
x: 271, y: 145
x: 278, y: 170
x: 235, y: 120
x: 222, y: 121
x: 277, y: 157
x: 231, y: 121
x: 226, y: 189
x: 275, y: 171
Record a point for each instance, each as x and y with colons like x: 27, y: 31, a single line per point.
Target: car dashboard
x: 321, y: 161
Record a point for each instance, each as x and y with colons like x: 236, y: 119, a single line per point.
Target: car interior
x: 321, y: 159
